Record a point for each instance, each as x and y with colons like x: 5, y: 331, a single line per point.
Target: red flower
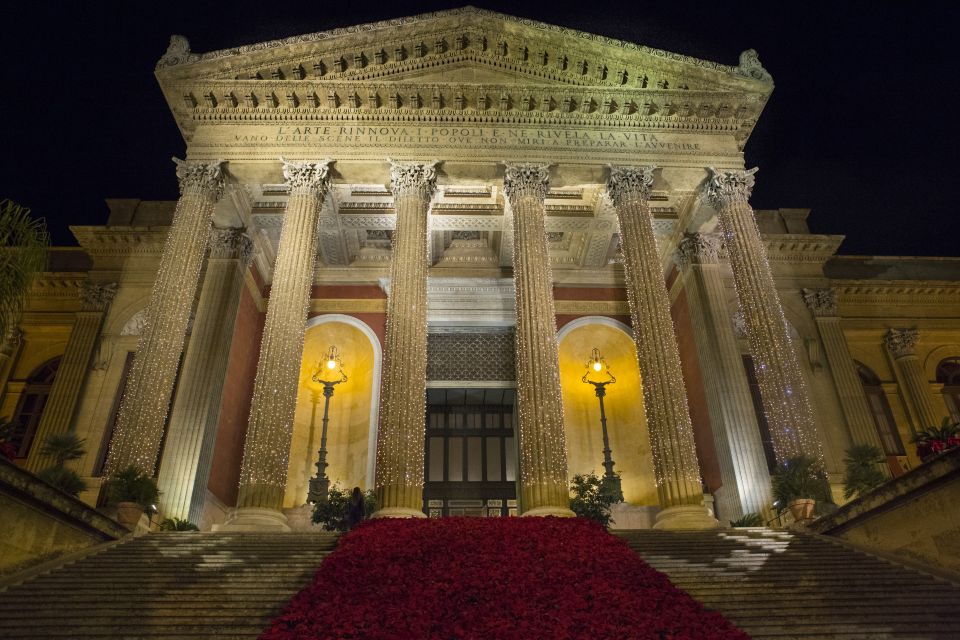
x: 503, y: 579
x: 7, y: 450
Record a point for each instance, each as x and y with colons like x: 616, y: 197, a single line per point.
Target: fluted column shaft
x: 62, y: 402
x: 400, y: 437
x: 185, y: 465
x: 853, y: 401
x: 543, y: 449
x: 664, y: 394
x: 786, y: 402
x: 902, y: 344
x: 266, y: 452
x: 9, y: 345
x: 733, y: 421
x: 146, y: 397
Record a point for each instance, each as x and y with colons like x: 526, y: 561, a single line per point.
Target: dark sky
x: 859, y: 128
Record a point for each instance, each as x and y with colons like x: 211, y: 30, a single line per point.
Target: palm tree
x: 23, y: 253
x: 63, y: 447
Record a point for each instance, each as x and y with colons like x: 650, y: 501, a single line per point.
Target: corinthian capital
x: 703, y: 248
x: 205, y: 177
x: 307, y: 176
x: 629, y: 183
x: 821, y: 302
x: 230, y: 243
x: 97, y: 296
x: 413, y: 177
x: 11, y: 341
x: 526, y: 180
x: 902, y: 342
x: 726, y: 187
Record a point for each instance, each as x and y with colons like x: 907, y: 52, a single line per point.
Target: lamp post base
x: 685, y: 517
x: 254, y: 519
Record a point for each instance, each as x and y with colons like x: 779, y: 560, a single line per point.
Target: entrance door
x: 471, y: 453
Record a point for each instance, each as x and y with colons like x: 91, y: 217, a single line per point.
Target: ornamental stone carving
x: 726, y: 187
x: 310, y: 176
x: 902, y: 342
x: 231, y: 243
x: 627, y: 183
x: 11, y: 341
x: 821, y: 302
x: 136, y: 324
x: 178, y: 52
x: 750, y: 66
x: 200, y: 176
x: 526, y: 179
x: 97, y: 296
x: 701, y: 248
x: 413, y: 177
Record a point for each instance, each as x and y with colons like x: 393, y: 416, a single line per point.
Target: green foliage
x: 7, y: 428
x: 332, y: 514
x: 178, y: 524
x: 63, y: 447
x: 23, y: 253
x: 862, y: 471
x: 747, y: 520
x: 132, y: 485
x: 593, y: 496
x: 798, y: 478
x: 947, y: 430
x: 66, y: 480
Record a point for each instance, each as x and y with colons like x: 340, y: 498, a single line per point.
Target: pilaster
x: 543, y: 449
x: 733, y: 421
x: 400, y: 436
x: 146, y: 397
x: 266, y: 452
x: 664, y: 394
x: 823, y: 305
x: 783, y: 390
x: 902, y: 345
x: 185, y: 465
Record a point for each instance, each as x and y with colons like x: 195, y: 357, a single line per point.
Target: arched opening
x: 33, y: 400
x: 948, y: 374
x: 351, y: 432
x: 623, y: 404
x: 882, y: 416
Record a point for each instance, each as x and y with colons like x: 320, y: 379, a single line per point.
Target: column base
x: 542, y: 512
x: 684, y: 518
x: 254, y: 519
x: 398, y: 512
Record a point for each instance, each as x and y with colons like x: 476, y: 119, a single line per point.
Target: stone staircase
x: 167, y: 585
x: 782, y: 585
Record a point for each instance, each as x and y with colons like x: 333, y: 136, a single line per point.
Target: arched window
x: 30, y: 407
x: 765, y: 438
x: 880, y: 408
x: 948, y: 374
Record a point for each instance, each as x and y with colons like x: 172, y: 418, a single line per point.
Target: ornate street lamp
x: 598, y: 366
x: 331, y: 366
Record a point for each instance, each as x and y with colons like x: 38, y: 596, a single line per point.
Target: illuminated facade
x: 467, y: 204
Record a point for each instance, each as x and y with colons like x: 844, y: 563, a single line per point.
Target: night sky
x: 858, y: 128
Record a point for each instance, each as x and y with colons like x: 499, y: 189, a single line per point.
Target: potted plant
x: 178, y: 524
x: 7, y: 429
x: 62, y: 448
x: 593, y: 496
x: 935, y: 440
x: 132, y: 491
x: 747, y: 520
x: 797, y: 485
x: 862, y: 471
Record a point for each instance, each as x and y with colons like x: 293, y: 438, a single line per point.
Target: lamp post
x: 597, y: 365
x: 320, y: 483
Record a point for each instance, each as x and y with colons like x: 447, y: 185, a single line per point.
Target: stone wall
x: 914, y: 517
x: 41, y: 523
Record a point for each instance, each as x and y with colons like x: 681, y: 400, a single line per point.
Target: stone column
x: 146, y: 397
x: 902, y: 344
x: 823, y: 305
x: 400, y: 436
x: 57, y: 416
x: 266, y: 452
x: 664, y: 395
x: 736, y: 435
x: 185, y: 465
x: 543, y: 447
x: 8, y: 350
x: 786, y: 402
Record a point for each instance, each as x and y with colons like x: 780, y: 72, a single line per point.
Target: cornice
x: 897, y: 292
x: 797, y: 248
x: 100, y: 241
x: 55, y: 284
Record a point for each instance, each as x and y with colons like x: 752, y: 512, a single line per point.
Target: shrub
x: 798, y: 478
x: 747, y: 520
x: 593, y: 496
x: 862, y: 472
x: 63, y: 447
x: 132, y: 485
x: 66, y: 480
x: 178, y: 524
x: 332, y: 514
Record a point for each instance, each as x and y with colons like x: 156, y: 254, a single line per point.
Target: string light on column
x: 146, y: 396
x: 675, y: 464
x: 266, y: 453
x: 786, y: 402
